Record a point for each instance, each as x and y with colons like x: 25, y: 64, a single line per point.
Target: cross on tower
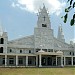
x: 44, y: 18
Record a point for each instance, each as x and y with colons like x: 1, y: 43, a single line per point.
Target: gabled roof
x: 27, y: 41
x: 63, y: 45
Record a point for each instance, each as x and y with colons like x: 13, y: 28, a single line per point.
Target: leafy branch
x: 67, y: 10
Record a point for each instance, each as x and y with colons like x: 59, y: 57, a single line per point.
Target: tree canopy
x: 71, y: 7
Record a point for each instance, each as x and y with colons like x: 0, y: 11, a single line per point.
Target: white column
x: 40, y: 61
x: 56, y: 60
x: 5, y: 60
x: 61, y: 61
x: 72, y: 60
x: 26, y: 60
x: 16, y: 60
x: 64, y: 61
x: 36, y: 60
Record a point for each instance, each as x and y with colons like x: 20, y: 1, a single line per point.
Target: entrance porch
x: 47, y: 59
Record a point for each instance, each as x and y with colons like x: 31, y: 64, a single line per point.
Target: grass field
x: 37, y: 71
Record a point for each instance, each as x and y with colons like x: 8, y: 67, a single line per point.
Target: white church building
x: 41, y: 49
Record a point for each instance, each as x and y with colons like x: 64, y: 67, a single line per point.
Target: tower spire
x: 1, y: 29
x: 43, y: 5
x: 60, y: 34
x: 43, y: 18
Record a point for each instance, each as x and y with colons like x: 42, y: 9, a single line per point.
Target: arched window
x: 2, y: 41
x: 29, y: 51
x: 20, y: 51
x: 70, y: 53
x: 10, y: 50
x: 1, y: 50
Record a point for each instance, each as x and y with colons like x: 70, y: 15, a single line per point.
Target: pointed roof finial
x: 1, y: 29
x: 60, y: 33
x: 60, y: 24
x: 60, y: 27
x: 43, y: 5
x: 5, y: 30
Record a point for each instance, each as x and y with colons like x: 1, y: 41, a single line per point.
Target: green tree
x: 67, y: 10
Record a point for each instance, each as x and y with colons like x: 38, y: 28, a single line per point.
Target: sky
x: 19, y: 17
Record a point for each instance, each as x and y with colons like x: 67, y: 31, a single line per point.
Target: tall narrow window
x: 29, y: 51
x: 2, y: 41
x: 10, y: 50
x: 1, y: 50
x: 20, y: 51
x: 70, y: 53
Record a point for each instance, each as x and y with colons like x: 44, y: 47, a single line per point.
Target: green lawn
x: 38, y: 71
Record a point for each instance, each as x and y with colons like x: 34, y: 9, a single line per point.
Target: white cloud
x: 73, y: 40
x: 13, y: 5
x: 54, y: 6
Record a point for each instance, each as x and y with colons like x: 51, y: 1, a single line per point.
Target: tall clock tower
x: 43, y: 19
x: 43, y: 34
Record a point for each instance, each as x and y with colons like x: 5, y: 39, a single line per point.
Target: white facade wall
x: 17, y: 50
x: 5, y: 37
x: 42, y: 39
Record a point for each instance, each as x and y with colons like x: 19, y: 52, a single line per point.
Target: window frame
x: 44, y: 25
